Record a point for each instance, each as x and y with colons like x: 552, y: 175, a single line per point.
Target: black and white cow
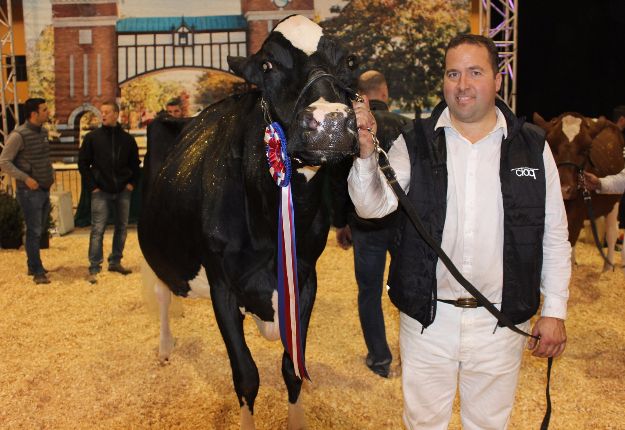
x: 209, y: 225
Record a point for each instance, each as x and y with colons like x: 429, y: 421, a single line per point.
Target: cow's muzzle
x: 328, y: 133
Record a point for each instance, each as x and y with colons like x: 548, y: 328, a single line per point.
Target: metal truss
x: 498, y: 20
x: 8, y: 80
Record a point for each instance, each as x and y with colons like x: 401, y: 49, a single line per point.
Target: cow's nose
x: 308, y: 120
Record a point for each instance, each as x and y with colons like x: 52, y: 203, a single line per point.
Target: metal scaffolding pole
x: 8, y: 81
x: 498, y: 20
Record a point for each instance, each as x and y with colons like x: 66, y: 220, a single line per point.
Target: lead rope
x: 503, y: 320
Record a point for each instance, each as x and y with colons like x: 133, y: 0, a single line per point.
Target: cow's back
x: 229, y: 217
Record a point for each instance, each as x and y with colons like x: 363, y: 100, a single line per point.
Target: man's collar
x: 445, y: 121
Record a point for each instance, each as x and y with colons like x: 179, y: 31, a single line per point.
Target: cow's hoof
x: 296, y: 419
x: 607, y: 267
x: 165, y: 348
x: 247, y: 419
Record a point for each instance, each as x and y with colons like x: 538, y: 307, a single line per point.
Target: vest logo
x: 525, y: 171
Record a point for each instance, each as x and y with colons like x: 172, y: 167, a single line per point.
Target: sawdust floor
x: 75, y: 355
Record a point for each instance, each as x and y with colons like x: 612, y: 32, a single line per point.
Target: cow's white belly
x: 199, y: 286
x: 269, y: 329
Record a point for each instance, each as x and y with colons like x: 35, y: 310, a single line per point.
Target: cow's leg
x: 296, y: 417
x: 611, y: 233
x: 244, y: 371
x: 166, y: 341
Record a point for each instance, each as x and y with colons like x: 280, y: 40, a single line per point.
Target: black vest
x: 412, y: 278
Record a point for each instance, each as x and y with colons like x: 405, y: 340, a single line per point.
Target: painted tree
x: 40, y: 62
x: 403, y: 39
x: 213, y: 86
x: 146, y: 95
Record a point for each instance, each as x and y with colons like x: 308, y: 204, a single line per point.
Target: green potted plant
x: 11, y: 222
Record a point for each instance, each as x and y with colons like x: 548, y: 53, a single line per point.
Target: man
x: 26, y: 157
x: 372, y: 238
x: 174, y: 107
x: 507, y: 234
x: 108, y: 161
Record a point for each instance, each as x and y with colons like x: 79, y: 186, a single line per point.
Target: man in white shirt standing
x: 487, y: 188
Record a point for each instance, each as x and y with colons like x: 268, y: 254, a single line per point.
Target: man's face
x: 109, y: 116
x: 174, y: 111
x: 470, y: 85
x: 42, y: 114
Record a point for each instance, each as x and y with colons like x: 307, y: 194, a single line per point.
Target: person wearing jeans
x: 26, y: 157
x: 35, y: 206
x: 109, y: 164
x: 371, y: 239
x: 101, y: 204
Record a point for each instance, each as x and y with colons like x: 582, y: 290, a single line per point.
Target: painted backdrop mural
x: 123, y: 54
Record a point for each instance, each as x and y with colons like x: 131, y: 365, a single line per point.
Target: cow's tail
x: 150, y: 284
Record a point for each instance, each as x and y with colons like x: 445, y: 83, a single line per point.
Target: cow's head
x: 304, y: 78
x: 570, y: 137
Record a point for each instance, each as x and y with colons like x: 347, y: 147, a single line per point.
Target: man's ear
x: 246, y: 68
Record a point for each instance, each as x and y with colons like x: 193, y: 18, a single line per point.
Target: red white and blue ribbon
x: 288, y: 293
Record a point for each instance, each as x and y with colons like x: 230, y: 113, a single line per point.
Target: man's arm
x: 85, y: 160
x: 368, y: 189
x: 134, y: 163
x: 556, y: 271
x: 13, y: 146
x: 613, y: 184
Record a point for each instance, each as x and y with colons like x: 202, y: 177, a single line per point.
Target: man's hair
x: 112, y: 104
x: 174, y: 102
x: 369, y: 81
x: 32, y: 105
x: 618, y: 112
x: 477, y: 40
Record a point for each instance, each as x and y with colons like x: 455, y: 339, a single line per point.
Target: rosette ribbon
x: 288, y: 293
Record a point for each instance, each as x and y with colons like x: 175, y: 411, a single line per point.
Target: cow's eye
x: 267, y: 66
x: 351, y: 62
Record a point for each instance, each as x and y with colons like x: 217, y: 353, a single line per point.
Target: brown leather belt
x: 465, y: 302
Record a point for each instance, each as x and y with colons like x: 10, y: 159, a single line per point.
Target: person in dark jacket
x: 26, y: 157
x: 109, y: 164
x: 371, y: 238
x: 486, y: 187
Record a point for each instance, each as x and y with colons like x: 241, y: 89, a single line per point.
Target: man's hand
x: 552, y: 335
x: 129, y: 187
x: 344, y: 237
x: 95, y: 190
x: 364, y: 120
x: 592, y: 182
x: 31, y: 183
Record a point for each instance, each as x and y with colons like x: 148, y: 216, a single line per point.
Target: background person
x: 108, y: 161
x: 174, y: 107
x: 507, y: 234
x: 26, y: 157
x: 371, y: 238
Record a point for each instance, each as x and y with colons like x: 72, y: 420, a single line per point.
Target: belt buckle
x: 467, y: 302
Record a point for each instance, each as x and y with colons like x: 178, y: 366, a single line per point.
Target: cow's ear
x: 540, y: 121
x: 595, y: 126
x: 245, y: 68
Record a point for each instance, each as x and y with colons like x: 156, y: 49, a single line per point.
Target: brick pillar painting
x: 85, y: 60
x: 263, y: 15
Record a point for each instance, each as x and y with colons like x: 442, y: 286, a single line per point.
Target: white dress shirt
x: 613, y: 184
x: 473, y: 232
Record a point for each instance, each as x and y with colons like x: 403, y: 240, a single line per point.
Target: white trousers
x: 459, y: 349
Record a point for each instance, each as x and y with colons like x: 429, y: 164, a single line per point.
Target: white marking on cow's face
x: 308, y: 171
x: 571, y: 126
x: 199, y: 285
x: 321, y: 107
x: 301, y: 32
